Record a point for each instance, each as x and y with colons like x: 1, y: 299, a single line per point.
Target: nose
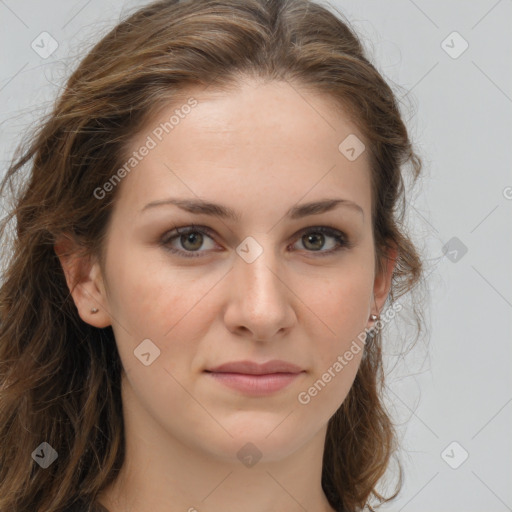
x: 260, y: 301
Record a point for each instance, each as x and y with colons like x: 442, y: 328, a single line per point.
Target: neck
x: 162, y: 473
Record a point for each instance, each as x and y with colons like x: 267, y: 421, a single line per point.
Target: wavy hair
x: 59, y: 376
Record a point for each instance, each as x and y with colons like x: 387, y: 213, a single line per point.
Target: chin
x: 271, y: 439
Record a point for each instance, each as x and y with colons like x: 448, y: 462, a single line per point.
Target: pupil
x: 190, y: 238
x: 318, y: 238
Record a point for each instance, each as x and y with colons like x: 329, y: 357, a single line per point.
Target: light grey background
x: 458, y: 111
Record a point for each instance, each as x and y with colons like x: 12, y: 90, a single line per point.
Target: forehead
x: 266, y: 139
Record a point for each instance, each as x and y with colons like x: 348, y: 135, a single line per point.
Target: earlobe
x: 84, y: 280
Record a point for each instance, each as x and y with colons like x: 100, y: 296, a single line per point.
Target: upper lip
x: 253, y: 368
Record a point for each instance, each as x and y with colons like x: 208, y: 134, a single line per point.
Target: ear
x: 84, y: 280
x: 382, y: 282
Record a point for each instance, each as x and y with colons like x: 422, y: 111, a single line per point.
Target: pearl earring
x: 94, y: 310
x: 373, y: 317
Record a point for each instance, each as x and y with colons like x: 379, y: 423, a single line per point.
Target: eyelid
x: 328, y: 230
x: 177, y: 231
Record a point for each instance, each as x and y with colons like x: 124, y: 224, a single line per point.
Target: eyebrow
x: 199, y: 206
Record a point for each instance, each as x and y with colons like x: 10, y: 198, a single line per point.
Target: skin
x: 260, y: 150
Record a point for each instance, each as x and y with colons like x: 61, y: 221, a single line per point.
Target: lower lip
x: 258, y: 385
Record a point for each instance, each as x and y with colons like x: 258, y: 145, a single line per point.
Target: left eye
x: 314, y: 237
x: 192, y: 238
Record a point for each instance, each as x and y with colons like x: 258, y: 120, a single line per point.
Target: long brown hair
x: 59, y: 376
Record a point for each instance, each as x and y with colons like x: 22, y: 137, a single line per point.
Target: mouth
x: 252, y: 378
x: 252, y: 384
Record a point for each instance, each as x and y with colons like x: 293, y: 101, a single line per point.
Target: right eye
x: 191, y: 238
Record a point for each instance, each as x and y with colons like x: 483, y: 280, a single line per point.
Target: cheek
x: 343, y: 302
x: 338, y: 351
x: 341, y: 315
x: 156, y: 301
x: 146, y: 291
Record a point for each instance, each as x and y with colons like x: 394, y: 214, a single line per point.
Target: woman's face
x: 251, y: 281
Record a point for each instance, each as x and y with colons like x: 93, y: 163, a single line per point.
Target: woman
x: 207, y: 249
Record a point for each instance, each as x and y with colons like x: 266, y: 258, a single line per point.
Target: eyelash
x: 339, y: 236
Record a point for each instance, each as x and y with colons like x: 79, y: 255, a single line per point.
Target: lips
x: 256, y: 379
x: 254, y: 368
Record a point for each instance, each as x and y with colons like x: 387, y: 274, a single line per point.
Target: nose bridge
x: 257, y: 271
x: 259, y: 299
